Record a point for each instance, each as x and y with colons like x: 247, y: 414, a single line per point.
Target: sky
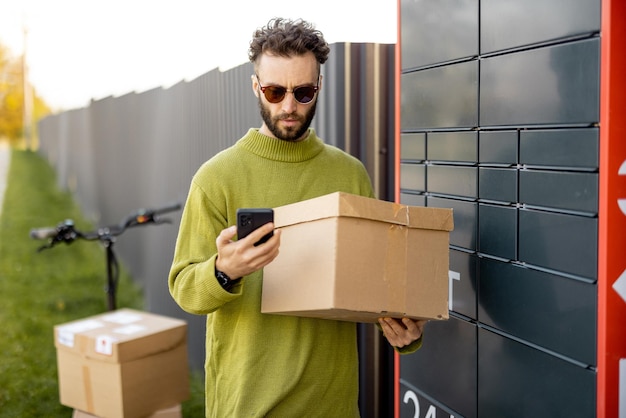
x: 79, y: 50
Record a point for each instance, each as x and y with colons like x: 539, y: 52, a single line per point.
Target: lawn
x: 42, y: 289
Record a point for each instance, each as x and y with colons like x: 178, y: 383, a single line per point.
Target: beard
x: 289, y: 133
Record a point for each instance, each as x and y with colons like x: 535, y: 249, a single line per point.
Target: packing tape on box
x: 396, y: 261
x: 88, y: 389
x: 403, y: 217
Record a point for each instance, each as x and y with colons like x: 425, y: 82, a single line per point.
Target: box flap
x: 121, y: 335
x: 349, y: 205
x: 431, y: 218
x: 356, y: 316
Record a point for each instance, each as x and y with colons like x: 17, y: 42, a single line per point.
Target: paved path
x: 5, y: 157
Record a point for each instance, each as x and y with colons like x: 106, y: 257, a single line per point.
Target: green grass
x: 40, y: 290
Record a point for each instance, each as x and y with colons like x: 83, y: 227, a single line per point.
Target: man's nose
x: 289, y: 103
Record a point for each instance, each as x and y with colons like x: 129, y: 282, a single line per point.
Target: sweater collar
x: 278, y: 150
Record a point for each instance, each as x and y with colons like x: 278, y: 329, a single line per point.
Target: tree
x: 12, y: 120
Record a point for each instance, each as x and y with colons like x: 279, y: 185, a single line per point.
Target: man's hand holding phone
x: 246, y: 255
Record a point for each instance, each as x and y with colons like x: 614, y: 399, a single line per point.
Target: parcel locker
x: 547, y: 310
x: 452, y: 180
x: 463, y: 280
x: 440, y: 97
x: 412, y: 199
x: 459, y: 147
x: 465, y: 220
x: 521, y: 134
x: 560, y: 148
x: 516, y: 380
x: 497, y: 184
x: 498, y: 148
x: 507, y: 24
x: 557, y: 84
x: 413, y: 176
x: 450, y: 23
x: 497, y: 231
x: 413, y: 147
x: 566, y: 191
x: 559, y: 242
x: 446, y: 375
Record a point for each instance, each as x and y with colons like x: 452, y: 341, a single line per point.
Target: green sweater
x: 260, y: 365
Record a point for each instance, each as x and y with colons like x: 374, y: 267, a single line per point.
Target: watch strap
x: 224, y: 280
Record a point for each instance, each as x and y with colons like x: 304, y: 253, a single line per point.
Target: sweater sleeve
x: 411, y: 348
x: 192, y: 282
x: 408, y: 349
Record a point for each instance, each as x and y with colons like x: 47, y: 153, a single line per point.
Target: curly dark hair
x: 286, y: 38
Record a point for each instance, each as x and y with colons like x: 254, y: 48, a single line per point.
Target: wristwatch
x: 226, y: 282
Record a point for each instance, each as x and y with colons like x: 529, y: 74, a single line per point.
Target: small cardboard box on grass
x: 353, y: 258
x: 122, y: 364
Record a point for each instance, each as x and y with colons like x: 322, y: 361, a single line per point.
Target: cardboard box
x: 173, y: 412
x: 122, y: 364
x: 353, y: 258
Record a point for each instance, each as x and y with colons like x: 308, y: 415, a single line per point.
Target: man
x: 261, y: 365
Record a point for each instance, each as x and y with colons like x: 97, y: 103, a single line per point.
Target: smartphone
x: 249, y: 219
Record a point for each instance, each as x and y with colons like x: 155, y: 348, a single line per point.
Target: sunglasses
x: 276, y: 94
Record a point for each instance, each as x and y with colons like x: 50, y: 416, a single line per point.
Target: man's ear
x: 255, y: 85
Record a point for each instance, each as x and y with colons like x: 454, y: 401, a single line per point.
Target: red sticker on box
x: 104, y: 344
